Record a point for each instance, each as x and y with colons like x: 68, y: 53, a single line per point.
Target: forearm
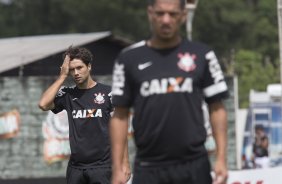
x: 218, y: 119
x: 47, y: 99
x: 118, y: 132
x: 125, y: 154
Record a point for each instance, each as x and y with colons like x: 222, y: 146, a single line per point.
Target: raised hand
x: 65, y: 66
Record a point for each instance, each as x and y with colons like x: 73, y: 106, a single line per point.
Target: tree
x: 254, y: 72
x: 126, y: 18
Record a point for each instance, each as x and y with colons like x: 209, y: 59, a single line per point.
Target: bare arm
x: 218, y: 118
x: 47, y: 99
x: 118, y: 132
x: 126, y: 163
x: 265, y: 142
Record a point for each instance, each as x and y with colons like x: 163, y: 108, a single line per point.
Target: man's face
x: 166, y: 18
x: 79, y: 71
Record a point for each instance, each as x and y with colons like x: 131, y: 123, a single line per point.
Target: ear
x: 184, y: 16
x: 149, y: 13
x: 89, y: 66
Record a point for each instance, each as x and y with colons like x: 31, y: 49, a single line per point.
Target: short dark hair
x: 259, y: 127
x: 182, y: 3
x: 79, y: 53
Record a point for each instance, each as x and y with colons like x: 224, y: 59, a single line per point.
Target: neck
x: 163, y: 44
x: 89, y: 83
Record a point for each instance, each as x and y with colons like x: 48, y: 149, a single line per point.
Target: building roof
x: 19, y: 51
x: 259, y: 97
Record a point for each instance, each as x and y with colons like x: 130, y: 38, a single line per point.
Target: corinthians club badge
x: 99, y: 98
x: 186, y: 62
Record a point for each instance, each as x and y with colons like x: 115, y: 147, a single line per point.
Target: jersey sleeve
x: 121, y: 87
x: 214, y: 85
x: 59, y: 100
x: 111, y: 102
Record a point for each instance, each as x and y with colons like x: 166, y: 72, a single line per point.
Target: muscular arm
x: 47, y: 99
x: 218, y: 118
x: 118, y: 132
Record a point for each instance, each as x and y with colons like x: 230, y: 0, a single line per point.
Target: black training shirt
x: 166, y: 88
x: 88, y: 113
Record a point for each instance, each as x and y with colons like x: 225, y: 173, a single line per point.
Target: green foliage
x: 254, y: 72
x: 33, y: 17
x: 238, y: 25
x: 221, y: 23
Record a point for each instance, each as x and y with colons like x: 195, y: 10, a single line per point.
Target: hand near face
x: 65, y: 66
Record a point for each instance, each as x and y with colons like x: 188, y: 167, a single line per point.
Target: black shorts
x: 190, y: 172
x: 101, y: 175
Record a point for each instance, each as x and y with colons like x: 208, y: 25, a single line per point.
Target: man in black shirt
x: 88, y: 105
x: 165, y: 79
